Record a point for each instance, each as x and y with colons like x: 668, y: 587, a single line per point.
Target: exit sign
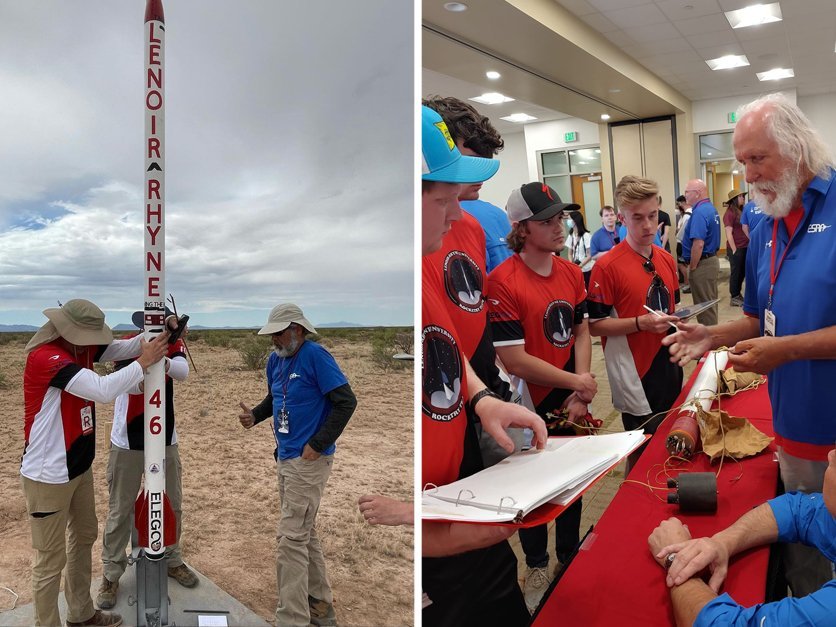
x: 570, y: 137
x: 732, y: 117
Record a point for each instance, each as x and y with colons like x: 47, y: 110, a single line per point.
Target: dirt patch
x: 230, y: 500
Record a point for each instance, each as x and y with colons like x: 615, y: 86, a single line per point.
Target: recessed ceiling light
x: 708, y: 153
x: 493, y: 75
x: 727, y: 62
x: 519, y: 118
x: 615, y: 90
x: 755, y: 15
x: 491, y: 98
x: 776, y: 74
x: 455, y: 7
x: 605, y: 116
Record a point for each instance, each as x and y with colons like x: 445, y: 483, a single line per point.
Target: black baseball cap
x: 536, y: 201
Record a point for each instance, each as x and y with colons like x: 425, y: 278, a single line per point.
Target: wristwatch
x: 669, y: 560
x: 479, y: 396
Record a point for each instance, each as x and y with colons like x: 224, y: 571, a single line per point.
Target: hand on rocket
x: 153, y: 351
x: 246, y: 417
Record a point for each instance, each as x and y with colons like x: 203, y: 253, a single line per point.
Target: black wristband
x: 479, y: 396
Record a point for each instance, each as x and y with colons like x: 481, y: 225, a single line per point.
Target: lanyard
x: 773, y: 272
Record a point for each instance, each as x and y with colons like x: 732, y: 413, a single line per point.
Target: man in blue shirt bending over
x: 793, y: 517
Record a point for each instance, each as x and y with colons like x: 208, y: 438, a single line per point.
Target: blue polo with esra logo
x: 300, y: 384
x: 804, y: 299
x: 705, y: 225
x: 752, y: 215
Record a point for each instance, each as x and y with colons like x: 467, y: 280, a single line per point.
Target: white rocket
x: 154, y: 518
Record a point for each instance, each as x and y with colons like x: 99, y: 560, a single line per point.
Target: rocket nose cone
x: 154, y: 11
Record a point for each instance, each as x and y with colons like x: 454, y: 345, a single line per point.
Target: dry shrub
x: 254, y: 353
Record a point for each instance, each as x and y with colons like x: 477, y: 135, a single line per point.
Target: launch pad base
x: 205, y: 604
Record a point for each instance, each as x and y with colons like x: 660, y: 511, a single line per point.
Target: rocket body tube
x: 153, y: 514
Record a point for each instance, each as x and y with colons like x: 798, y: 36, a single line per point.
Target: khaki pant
x: 703, y: 282
x: 63, y: 521
x: 805, y: 568
x: 124, y: 476
x: 300, y: 565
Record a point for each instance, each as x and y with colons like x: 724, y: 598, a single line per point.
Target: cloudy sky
x: 289, y: 158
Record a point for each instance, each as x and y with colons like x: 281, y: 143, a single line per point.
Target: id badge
x: 284, y: 422
x: 86, y: 420
x: 769, y: 323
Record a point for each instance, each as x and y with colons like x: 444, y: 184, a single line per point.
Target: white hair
x: 791, y: 129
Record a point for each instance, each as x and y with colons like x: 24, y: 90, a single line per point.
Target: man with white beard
x: 310, y: 402
x: 789, y: 326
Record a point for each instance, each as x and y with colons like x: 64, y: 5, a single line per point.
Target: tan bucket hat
x: 78, y: 321
x: 281, y: 316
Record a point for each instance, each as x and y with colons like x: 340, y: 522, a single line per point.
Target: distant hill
x: 17, y: 328
x: 339, y: 325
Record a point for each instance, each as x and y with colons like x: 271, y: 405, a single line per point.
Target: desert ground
x: 230, y: 500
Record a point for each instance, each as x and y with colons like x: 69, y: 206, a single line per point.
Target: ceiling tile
x: 758, y: 47
x: 713, y: 52
x: 654, y: 31
x: 637, y: 16
x: 578, y: 7
x: 796, y: 9
x: 599, y: 23
x: 620, y: 39
x: 675, y: 9
x: 661, y: 46
x: 718, y: 38
x: 775, y: 30
x: 706, y: 24
x: 734, y: 5
x: 613, y: 5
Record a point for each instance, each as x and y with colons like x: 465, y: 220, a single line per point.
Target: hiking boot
x: 736, y: 301
x: 102, y: 619
x: 106, y: 598
x: 183, y: 575
x: 322, y: 613
x: 537, y: 581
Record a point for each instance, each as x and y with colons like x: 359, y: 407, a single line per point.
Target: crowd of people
x: 538, y: 311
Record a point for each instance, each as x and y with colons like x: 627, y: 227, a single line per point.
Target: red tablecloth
x: 614, y: 580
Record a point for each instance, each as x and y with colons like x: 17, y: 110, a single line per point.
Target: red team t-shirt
x: 540, y: 312
x: 620, y: 283
x: 443, y: 389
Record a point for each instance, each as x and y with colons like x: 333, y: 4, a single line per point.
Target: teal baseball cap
x: 442, y: 161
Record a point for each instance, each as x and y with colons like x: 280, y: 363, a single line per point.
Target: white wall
x: 709, y: 116
x: 549, y: 136
x: 820, y: 110
x: 513, y: 171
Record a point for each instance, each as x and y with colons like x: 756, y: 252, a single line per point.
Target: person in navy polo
x: 699, y: 248
x: 789, y: 326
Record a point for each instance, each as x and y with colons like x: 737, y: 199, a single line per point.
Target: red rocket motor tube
x: 684, y: 434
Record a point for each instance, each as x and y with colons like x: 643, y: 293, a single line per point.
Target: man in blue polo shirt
x: 751, y: 216
x: 794, y: 517
x: 699, y: 248
x: 604, y: 238
x: 789, y: 326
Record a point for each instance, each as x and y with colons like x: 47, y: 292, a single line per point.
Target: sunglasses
x: 651, y: 269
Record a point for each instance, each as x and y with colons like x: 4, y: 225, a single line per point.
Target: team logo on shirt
x: 463, y: 281
x: 558, y: 323
x: 441, y: 375
x: 658, y: 297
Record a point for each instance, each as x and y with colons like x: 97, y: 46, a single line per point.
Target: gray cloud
x: 289, y: 158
